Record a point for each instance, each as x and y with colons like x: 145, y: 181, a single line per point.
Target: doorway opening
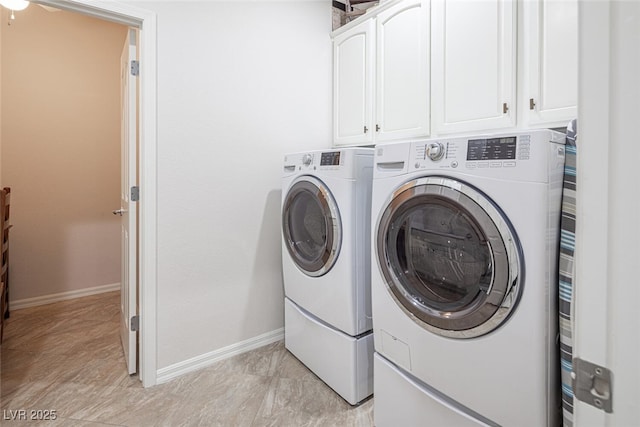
x: 145, y: 22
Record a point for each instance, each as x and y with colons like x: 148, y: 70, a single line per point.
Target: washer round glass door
x: 311, y: 226
x: 449, y: 257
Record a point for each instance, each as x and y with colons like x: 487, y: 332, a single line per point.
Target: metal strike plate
x: 592, y: 384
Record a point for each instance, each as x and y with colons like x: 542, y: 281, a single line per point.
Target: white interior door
x: 606, y: 291
x: 128, y: 208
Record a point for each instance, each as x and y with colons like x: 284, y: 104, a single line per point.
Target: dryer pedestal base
x: 343, y: 362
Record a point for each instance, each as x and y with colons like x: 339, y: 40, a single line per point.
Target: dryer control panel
x: 330, y: 158
x: 339, y: 163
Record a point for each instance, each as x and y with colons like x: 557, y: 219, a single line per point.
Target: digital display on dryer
x: 330, y: 159
x: 492, y: 148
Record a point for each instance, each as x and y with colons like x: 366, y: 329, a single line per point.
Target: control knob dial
x: 307, y: 159
x: 435, y: 150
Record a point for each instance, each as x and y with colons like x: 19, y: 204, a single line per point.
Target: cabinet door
x: 402, y: 71
x: 353, y: 62
x: 551, y: 59
x: 474, y: 62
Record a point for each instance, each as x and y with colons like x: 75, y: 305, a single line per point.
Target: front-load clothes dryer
x: 464, y: 246
x: 326, y: 201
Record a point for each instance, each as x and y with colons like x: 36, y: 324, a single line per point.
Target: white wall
x: 61, y: 150
x: 239, y: 84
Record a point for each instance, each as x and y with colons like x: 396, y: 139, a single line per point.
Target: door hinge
x: 135, y: 193
x: 592, y: 384
x: 505, y: 108
x: 135, y: 323
x: 532, y: 104
x: 135, y: 67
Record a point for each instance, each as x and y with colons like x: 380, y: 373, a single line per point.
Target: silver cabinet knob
x: 119, y: 211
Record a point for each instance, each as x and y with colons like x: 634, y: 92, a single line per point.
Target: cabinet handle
x: 532, y: 104
x: 505, y: 108
x: 366, y: 129
x: 377, y: 127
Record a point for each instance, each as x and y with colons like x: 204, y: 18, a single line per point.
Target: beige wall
x: 61, y: 150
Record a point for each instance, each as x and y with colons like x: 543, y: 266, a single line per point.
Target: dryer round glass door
x: 449, y: 257
x: 311, y: 226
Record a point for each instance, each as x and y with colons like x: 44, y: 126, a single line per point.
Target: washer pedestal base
x: 402, y: 401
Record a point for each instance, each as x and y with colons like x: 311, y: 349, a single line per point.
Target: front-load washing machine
x: 326, y: 201
x: 464, y: 248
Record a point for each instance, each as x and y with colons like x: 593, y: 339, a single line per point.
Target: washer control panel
x: 493, y: 155
x: 490, y: 152
x: 492, y: 148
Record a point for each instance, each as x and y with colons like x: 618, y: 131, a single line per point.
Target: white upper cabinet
x: 419, y: 68
x: 353, y: 73
x: 551, y: 62
x: 473, y: 65
x: 402, y: 71
x: 381, y: 76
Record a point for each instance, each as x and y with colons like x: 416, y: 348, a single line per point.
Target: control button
x: 471, y: 165
x: 496, y: 164
x: 417, y: 165
x: 435, y: 151
x: 307, y: 159
x: 509, y: 164
x: 454, y: 164
x: 523, y: 157
x: 483, y: 165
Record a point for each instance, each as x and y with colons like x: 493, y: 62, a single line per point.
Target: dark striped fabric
x: 566, y: 273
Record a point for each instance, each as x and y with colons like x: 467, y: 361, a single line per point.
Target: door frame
x: 146, y: 22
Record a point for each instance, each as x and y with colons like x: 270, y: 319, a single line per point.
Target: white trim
x: 208, y: 359
x: 114, y: 12
x: 62, y: 296
x: 146, y: 20
x: 148, y: 231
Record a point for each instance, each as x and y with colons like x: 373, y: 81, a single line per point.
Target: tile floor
x: 67, y: 357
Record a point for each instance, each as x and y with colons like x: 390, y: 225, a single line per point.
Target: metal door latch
x: 592, y: 384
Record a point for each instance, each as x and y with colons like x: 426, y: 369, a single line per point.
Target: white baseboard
x: 62, y: 296
x: 207, y: 359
